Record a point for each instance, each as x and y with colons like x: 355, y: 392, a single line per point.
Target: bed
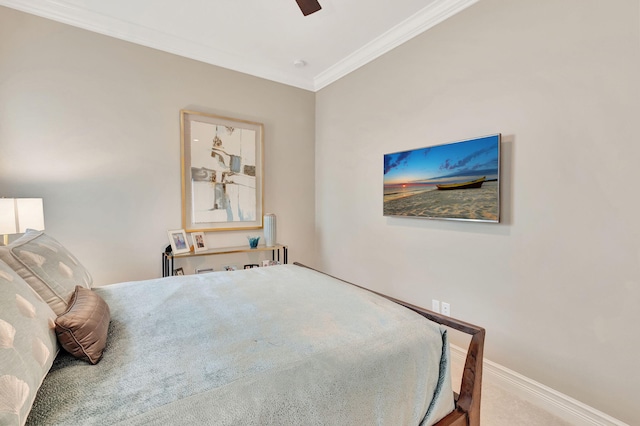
x: 277, y: 345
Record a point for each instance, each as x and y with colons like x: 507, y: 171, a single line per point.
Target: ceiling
x: 265, y: 38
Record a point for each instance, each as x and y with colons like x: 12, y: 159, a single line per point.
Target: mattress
x: 278, y: 345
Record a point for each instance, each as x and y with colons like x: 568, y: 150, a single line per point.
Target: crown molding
x: 415, y: 25
x: 102, y: 24
x: 67, y: 13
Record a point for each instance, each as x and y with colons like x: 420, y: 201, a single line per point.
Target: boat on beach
x: 463, y: 185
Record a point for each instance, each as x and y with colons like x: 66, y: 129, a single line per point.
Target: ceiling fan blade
x: 308, y: 6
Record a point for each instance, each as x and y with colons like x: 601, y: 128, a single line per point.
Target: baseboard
x: 550, y: 400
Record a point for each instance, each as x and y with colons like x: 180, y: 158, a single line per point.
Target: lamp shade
x: 19, y: 214
x: 7, y: 216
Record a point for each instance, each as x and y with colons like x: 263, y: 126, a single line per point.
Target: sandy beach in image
x: 477, y: 203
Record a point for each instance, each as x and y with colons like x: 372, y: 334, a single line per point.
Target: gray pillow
x: 49, y: 268
x: 27, y: 346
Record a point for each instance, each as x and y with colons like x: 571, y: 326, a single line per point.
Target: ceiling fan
x: 308, y: 6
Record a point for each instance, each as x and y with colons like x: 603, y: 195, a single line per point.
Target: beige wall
x: 557, y: 283
x: 91, y: 124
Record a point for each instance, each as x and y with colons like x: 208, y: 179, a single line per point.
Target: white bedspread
x: 282, y: 345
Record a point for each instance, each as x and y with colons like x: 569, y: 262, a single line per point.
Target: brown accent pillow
x: 82, y: 328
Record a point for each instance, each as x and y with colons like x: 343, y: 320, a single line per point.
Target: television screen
x: 454, y: 181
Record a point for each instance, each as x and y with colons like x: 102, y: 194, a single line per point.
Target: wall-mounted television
x: 453, y: 181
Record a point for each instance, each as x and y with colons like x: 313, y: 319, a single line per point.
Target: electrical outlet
x: 435, y: 305
x: 446, y: 309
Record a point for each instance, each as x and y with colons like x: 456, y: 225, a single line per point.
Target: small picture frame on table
x: 199, y: 244
x: 178, y: 240
x: 178, y: 271
x: 251, y: 266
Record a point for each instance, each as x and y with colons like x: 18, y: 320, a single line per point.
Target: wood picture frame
x: 178, y: 241
x: 199, y: 244
x: 222, y: 172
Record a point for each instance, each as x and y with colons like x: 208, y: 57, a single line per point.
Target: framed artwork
x: 251, y: 266
x: 178, y: 271
x: 222, y: 172
x: 198, y: 242
x: 178, y: 241
x: 454, y: 181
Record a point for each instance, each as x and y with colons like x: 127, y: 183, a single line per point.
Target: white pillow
x: 49, y: 268
x: 28, y: 346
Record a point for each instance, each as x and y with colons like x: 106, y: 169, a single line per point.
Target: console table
x: 168, y: 258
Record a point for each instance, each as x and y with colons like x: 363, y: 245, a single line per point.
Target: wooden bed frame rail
x: 467, y: 411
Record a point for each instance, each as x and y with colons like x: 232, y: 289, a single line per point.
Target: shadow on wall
x: 506, y: 203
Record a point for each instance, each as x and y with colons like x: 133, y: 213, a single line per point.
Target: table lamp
x: 19, y: 214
